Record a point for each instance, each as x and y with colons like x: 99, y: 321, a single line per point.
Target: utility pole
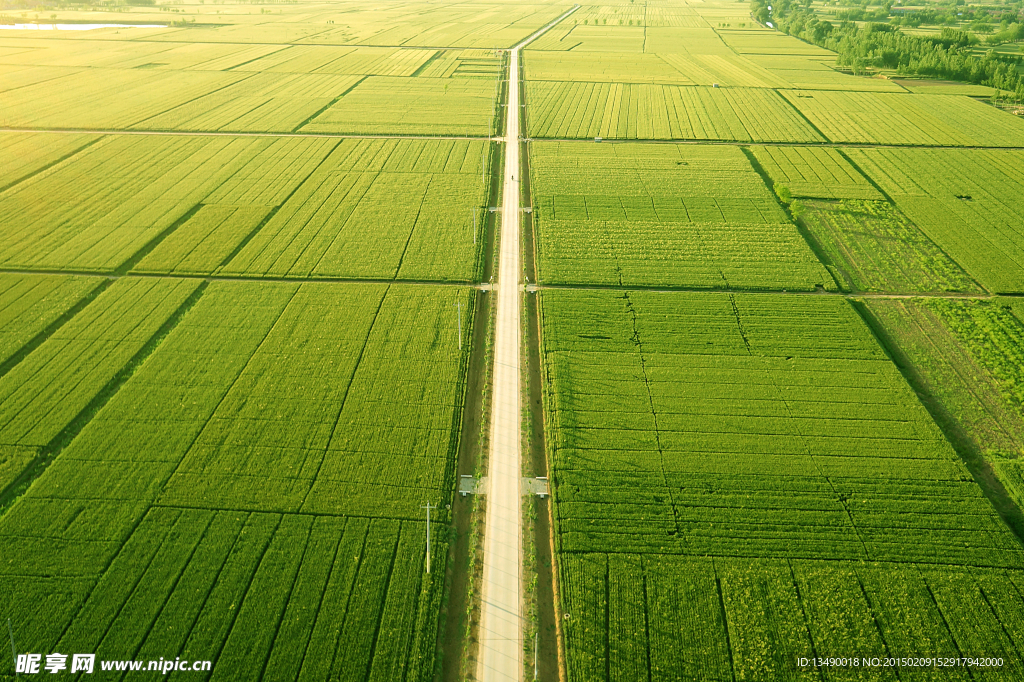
x: 459, y: 306
x: 428, y: 507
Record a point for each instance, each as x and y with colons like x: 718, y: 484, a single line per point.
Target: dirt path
x: 501, y: 622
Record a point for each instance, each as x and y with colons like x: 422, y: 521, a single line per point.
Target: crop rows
x: 23, y: 155
x: 107, y: 98
x: 731, y: 255
x: 671, y: 216
x: 347, y: 60
x: 965, y: 201
x: 872, y: 246
x: 351, y: 208
x: 297, y: 596
x: 723, y: 619
x: 968, y: 357
x: 814, y: 172
x: 339, y: 402
x: 659, y: 112
x: 411, y: 106
x: 44, y: 393
x: 753, y: 426
x: 261, y: 102
x: 426, y: 194
x: 907, y: 119
x: 313, y: 88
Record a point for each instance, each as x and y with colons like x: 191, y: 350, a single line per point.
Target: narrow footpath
x: 501, y: 621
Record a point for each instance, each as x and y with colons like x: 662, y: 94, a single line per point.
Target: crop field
x: 264, y: 88
x: 967, y: 202
x: 214, y: 461
x: 968, y: 356
x: 694, y: 432
x: 278, y: 283
x: 907, y: 119
x: 318, y: 202
x: 658, y: 112
x: 872, y: 246
x: 684, y: 216
x: 815, y: 172
x: 411, y: 106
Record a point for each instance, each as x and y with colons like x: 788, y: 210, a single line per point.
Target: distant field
x: 684, y: 216
x: 352, y: 208
x: 693, y: 432
x: 907, y: 119
x: 657, y: 112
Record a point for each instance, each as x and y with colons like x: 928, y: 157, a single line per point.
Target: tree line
x: 882, y: 46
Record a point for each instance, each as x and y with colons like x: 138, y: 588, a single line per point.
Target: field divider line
x: 226, y: 133
x: 501, y: 621
x: 255, y: 279
x: 46, y: 167
x: 327, y: 106
x: 851, y: 295
x: 48, y: 453
x: 762, y: 143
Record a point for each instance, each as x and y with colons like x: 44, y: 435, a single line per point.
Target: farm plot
x: 411, y: 106
x: 108, y: 98
x: 814, y: 73
x: 751, y: 619
x: 188, y: 205
x: 967, y: 202
x: 323, y: 59
x: 25, y: 154
x: 872, y: 246
x: 642, y: 111
x: 463, y: 64
x: 30, y: 307
x: 756, y: 466
x: 907, y: 119
x: 378, y: 209
x: 257, y: 459
x: 770, y: 43
x: 123, y: 194
x: 43, y: 393
x: 265, y: 102
x: 814, y: 172
x: 30, y: 304
x: 457, y: 26
x: 967, y: 355
x: 579, y: 37
x: 603, y: 67
x: 663, y: 215
x: 676, y: 68
x: 136, y: 54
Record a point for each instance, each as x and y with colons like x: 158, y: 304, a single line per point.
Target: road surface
x: 501, y: 626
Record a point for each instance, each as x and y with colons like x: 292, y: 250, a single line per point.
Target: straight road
x: 501, y: 622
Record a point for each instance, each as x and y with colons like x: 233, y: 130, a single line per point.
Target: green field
x: 302, y: 207
x: 757, y: 466
x: 682, y: 216
x: 264, y: 286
